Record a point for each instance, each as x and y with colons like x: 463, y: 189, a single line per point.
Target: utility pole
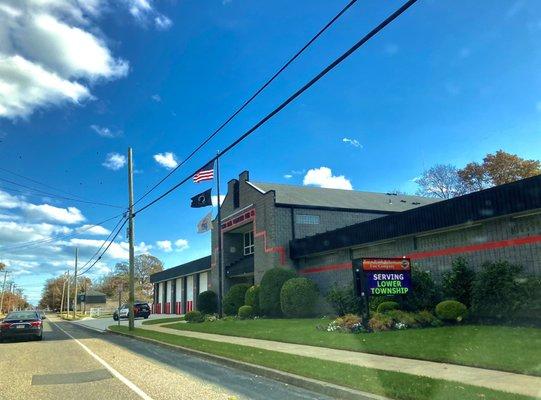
x: 130, y: 239
x: 3, y: 290
x: 62, y: 299
x: 68, y: 296
x: 75, y: 279
x: 84, y: 303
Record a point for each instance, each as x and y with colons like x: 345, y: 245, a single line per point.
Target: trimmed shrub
x: 252, y: 298
x: 426, y: 318
x: 457, y: 283
x: 423, y: 294
x: 343, y: 300
x: 235, y: 298
x: 270, y: 287
x: 194, y: 316
x: 451, y: 310
x: 298, y: 297
x: 402, y: 319
x: 246, y: 312
x: 380, y: 322
x: 497, y: 291
x: 207, y: 302
x: 388, y: 306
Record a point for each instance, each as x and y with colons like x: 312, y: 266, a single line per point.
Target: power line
x: 103, y: 244
x: 324, y: 72
x: 249, y: 100
x: 38, y: 242
x: 107, y: 248
x: 54, y: 195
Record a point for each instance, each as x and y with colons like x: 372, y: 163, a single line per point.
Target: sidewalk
x: 497, y: 380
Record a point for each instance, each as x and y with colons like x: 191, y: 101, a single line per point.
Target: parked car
x: 140, y: 308
x: 22, y: 324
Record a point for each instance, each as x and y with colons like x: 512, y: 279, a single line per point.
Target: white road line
x: 113, y: 371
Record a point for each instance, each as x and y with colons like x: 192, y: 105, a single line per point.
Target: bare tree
x: 440, y: 181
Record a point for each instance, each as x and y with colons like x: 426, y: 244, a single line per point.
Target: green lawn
x: 496, y: 347
x: 392, y: 384
x: 162, y: 320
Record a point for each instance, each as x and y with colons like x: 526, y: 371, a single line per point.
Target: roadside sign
x: 81, y: 298
x: 387, y: 276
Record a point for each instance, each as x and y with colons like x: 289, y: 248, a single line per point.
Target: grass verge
x: 162, y: 320
x: 512, y: 349
x: 386, y: 383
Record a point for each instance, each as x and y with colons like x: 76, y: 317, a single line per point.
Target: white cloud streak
x: 167, y: 160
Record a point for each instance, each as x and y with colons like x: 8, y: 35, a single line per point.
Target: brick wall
x: 497, y: 233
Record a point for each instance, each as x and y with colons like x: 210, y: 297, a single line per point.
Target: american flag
x: 205, y: 174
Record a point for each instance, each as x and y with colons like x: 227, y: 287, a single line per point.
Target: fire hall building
x: 318, y: 232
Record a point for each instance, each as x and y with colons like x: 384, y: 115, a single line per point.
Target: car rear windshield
x: 25, y: 315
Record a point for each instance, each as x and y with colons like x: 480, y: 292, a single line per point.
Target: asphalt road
x: 102, y: 324
x: 75, y: 363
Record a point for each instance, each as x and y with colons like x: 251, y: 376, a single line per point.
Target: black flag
x: 202, y: 199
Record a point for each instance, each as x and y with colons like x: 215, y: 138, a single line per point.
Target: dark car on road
x: 22, y: 324
x: 140, y: 309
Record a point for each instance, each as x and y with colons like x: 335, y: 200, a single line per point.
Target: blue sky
x: 448, y: 82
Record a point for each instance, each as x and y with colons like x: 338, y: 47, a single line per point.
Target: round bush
x: 269, y: 293
x: 235, y: 298
x: 246, y: 312
x: 207, y: 302
x: 451, y: 310
x: 388, y: 306
x: 252, y: 298
x: 194, y: 316
x: 298, y: 297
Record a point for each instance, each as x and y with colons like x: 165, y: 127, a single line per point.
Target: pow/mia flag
x: 202, y: 199
x: 205, y: 224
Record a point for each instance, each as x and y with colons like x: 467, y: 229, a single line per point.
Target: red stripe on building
x: 476, y: 247
x: 440, y: 253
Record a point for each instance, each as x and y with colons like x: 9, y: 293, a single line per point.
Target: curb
x: 327, y: 389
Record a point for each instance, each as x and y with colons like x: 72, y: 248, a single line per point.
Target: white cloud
x: 143, y: 11
x: 181, y: 244
x: 97, y: 230
x: 70, y: 215
x: 324, y: 178
x: 288, y: 176
x: 353, y: 142
x: 50, y: 51
x: 105, y: 132
x: 156, y: 97
x: 165, y: 245
x: 167, y: 160
x: 214, y: 199
x: 114, y: 161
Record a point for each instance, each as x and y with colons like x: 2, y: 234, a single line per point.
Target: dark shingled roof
x: 517, y: 197
x: 339, y: 198
x: 191, y: 267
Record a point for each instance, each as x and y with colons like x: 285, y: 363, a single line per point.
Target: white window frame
x: 250, y: 246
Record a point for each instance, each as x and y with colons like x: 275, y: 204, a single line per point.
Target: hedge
x: 207, y: 302
x: 235, y: 298
x: 451, y: 310
x: 387, y: 306
x: 298, y: 297
x: 245, y: 312
x: 194, y: 316
x: 270, y: 287
x: 252, y: 298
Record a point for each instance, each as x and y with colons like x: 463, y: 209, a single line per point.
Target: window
x: 307, y: 219
x: 249, y: 243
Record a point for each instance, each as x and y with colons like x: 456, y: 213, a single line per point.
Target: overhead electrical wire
x: 34, y: 243
x: 103, y: 244
x: 107, y: 248
x: 249, y: 100
x: 296, y: 94
x: 43, y: 193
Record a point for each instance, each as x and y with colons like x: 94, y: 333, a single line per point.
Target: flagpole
x: 220, y: 263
